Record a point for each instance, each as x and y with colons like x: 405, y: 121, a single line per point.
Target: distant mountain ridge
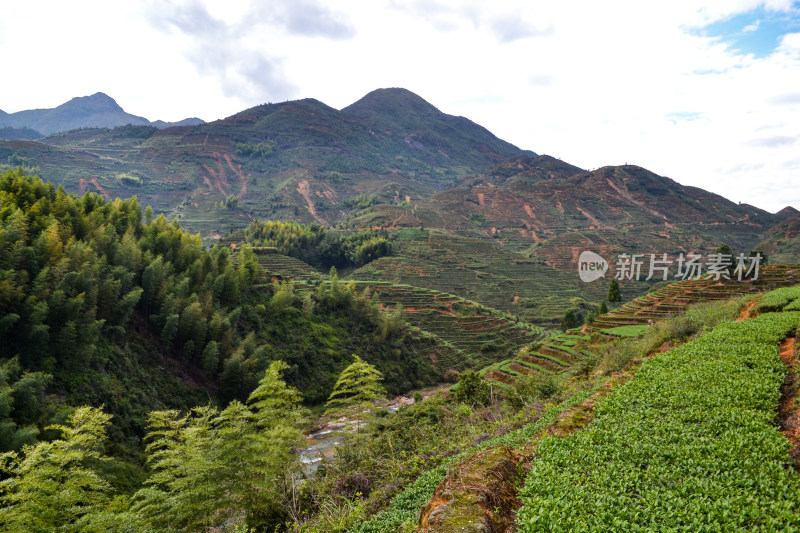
x: 96, y: 111
x: 389, y: 160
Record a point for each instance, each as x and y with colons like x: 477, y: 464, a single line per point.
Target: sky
x: 706, y: 92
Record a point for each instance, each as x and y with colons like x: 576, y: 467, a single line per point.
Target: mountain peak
x: 95, y: 102
x: 391, y: 100
x: 97, y: 110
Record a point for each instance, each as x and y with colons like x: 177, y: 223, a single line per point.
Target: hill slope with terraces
x: 560, y: 352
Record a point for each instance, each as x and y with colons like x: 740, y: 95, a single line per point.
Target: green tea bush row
x: 689, y: 445
x: 401, y: 516
x: 777, y: 299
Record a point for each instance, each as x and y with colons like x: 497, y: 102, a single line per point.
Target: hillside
x: 105, y: 305
x: 96, y: 111
x: 14, y: 134
x: 556, y: 211
x: 508, y: 224
x: 782, y: 242
x: 298, y: 160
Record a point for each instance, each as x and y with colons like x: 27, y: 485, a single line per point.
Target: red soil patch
x: 105, y: 193
x: 789, y: 410
x: 239, y: 173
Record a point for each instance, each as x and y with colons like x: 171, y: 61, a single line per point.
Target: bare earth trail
x: 305, y: 191
x: 789, y: 411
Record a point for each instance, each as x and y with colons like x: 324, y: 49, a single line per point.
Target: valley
x: 180, y: 303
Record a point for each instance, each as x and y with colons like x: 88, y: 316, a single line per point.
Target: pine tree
x: 614, y: 294
x: 355, y: 390
x: 603, y: 308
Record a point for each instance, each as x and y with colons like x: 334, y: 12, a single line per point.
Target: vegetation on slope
x: 100, y: 299
x: 316, y: 245
x: 689, y: 444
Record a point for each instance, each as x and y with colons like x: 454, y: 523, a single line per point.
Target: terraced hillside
x: 477, y: 334
x: 676, y: 297
x: 558, y: 353
x: 483, y: 270
x: 665, y: 445
x: 275, y: 264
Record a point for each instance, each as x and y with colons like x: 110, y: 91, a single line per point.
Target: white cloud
x: 594, y: 83
x: 752, y: 27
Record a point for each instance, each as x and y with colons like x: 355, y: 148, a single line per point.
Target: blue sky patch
x: 757, y: 32
x: 683, y: 116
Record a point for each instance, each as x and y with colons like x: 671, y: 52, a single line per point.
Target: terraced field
x: 631, y: 319
x: 678, y: 448
x: 676, y: 297
x: 478, y: 335
x: 687, y: 442
x: 282, y: 266
x: 485, y: 271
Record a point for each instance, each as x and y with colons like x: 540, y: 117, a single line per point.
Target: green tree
x: 257, y: 444
x: 603, y: 308
x: 472, y: 389
x: 211, y: 467
x: 210, y: 359
x: 572, y: 319
x: 52, y: 486
x: 184, y: 490
x: 355, y: 390
x: 614, y: 294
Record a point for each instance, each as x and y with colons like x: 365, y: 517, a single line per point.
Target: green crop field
x: 690, y: 444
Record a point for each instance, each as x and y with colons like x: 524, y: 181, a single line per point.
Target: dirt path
x: 747, y: 312
x: 105, y: 193
x: 789, y: 410
x: 305, y: 191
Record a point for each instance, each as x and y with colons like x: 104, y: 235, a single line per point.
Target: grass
x: 626, y: 331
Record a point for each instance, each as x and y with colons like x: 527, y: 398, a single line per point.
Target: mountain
x: 400, y: 115
x: 389, y: 160
x: 301, y: 160
x: 19, y: 134
x: 97, y: 110
x: 782, y: 242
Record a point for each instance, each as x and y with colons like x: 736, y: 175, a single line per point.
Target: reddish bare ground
x: 305, y: 191
x: 746, y: 312
x: 789, y: 410
x: 239, y: 173
x: 106, y: 194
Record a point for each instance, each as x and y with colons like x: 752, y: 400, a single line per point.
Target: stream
x: 322, y: 442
